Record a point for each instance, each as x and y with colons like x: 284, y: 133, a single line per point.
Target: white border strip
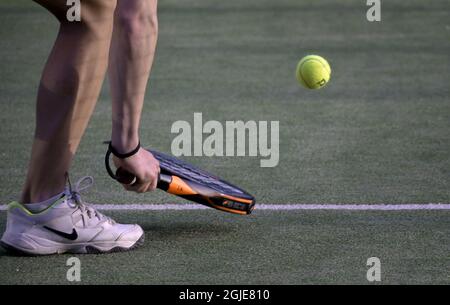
x: 275, y: 207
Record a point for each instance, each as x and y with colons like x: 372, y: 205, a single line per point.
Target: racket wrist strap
x: 123, y: 155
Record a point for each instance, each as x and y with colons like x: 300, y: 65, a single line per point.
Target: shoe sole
x: 88, y: 249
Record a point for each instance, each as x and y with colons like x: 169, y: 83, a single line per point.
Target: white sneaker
x: 67, y: 225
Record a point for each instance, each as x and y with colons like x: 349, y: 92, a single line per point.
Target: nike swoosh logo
x: 71, y: 236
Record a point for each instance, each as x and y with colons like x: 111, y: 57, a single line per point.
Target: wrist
x: 124, y: 144
x: 125, y: 132
x: 121, y: 155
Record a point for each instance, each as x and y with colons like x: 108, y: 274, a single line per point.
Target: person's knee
x: 97, y: 17
x: 90, y: 10
x: 138, y: 21
x: 98, y: 9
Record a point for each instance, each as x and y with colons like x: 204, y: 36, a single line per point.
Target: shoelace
x: 86, y: 210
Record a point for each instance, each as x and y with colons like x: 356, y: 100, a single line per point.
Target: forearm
x: 131, y: 57
x: 125, y: 124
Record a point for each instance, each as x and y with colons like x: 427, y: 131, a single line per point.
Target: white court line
x: 275, y: 207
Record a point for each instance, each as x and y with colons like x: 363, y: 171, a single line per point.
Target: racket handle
x: 125, y: 177
x: 128, y: 178
x: 164, y: 182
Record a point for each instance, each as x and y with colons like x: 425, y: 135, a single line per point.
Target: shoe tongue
x: 65, y: 201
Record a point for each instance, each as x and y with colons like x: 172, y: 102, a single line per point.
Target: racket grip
x: 128, y: 178
x: 164, y: 182
x: 125, y: 177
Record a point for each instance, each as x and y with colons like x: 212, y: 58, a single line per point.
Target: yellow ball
x: 313, y: 72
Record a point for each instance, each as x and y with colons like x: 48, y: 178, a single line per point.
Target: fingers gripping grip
x: 128, y: 178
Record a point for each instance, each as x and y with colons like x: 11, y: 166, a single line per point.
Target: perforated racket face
x: 174, y: 166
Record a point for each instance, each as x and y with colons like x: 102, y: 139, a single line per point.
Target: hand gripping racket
x: 184, y: 180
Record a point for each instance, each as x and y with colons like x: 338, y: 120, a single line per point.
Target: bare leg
x: 131, y: 56
x: 68, y: 92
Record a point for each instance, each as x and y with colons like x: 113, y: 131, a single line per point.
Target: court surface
x: 360, y: 160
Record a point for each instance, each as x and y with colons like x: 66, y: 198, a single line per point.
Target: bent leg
x: 68, y: 91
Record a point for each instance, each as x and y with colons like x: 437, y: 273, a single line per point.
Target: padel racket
x: 184, y: 180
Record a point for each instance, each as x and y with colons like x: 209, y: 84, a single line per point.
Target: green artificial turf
x: 310, y: 247
x: 378, y: 133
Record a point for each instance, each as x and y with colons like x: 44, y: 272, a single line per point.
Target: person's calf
x: 68, y: 92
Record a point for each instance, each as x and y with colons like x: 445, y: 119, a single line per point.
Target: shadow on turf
x: 164, y: 232
x: 185, y: 229
x: 3, y: 252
